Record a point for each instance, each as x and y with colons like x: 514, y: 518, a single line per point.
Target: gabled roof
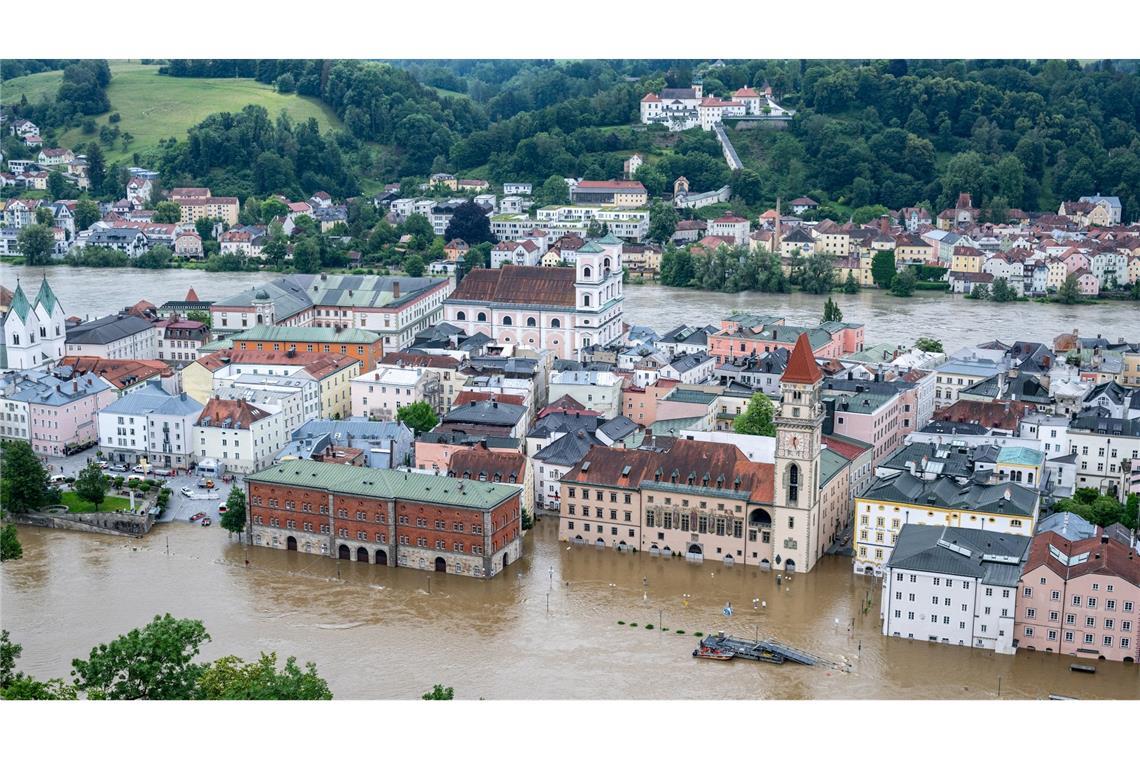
x: 541, y: 286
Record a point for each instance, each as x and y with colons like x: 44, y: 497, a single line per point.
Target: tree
x: 205, y: 228
x: 158, y: 257
x: 903, y: 283
x: 152, y: 662
x: 831, y: 311
x: 307, y: 257
x: 817, y: 274
x: 199, y: 315
x: 14, y: 685
x: 1002, y: 291
x: 883, y: 268
x: 980, y: 292
x: 419, y: 227
x: 850, y: 285
x: 553, y: 191
x: 419, y: 416
x: 35, y: 243
x: 24, y: 483
x: 167, y: 212
x: 10, y: 547
x: 757, y: 418
x: 663, y: 221
x: 57, y: 186
x: 91, y: 485
x: 86, y: 214
x: 45, y: 217
x: 475, y: 258
x: 1069, y: 292
x: 440, y: 692
x: 1100, y: 509
x: 234, y: 518
x: 414, y: 265
x: 232, y: 678
x: 96, y: 167
x: 930, y: 345
x: 469, y: 222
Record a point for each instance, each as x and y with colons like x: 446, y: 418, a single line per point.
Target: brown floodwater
x: 379, y: 632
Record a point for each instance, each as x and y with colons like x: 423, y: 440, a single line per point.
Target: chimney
x: 395, y: 290
x: 885, y: 224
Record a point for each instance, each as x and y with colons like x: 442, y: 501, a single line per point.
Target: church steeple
x: 46, y: 296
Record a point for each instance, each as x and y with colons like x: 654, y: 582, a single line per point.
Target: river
x: 377, y: 632
x: 953, y: 319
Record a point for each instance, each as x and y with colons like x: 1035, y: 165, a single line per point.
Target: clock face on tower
x: 793, y: 445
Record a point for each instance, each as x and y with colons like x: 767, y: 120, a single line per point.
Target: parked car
x: 207, y: 522
x: 197, y: 517
x: 119, y: 468
x: 163, y: 473
x: 102, y: 464
x: 205, y: 484
x: 185, y: 491
x: 139, y: 469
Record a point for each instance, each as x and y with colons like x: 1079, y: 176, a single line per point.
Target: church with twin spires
x: 35, y: 331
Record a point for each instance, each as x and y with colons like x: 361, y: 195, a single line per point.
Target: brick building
x: 386, y: 517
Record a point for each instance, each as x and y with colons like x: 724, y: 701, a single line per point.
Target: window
x: 530, y: 322
x: 1027, y: 592
x: 460, y: 316
x: 481, y: 317
x: 556, y: 323
x: 508, y: 321
x: 1028, y: 631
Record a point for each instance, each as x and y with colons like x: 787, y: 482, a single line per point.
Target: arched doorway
x: 790, y: 566
x: 506, y: 560
x: 765, y: 565
x: 343, y: 552
x: 381, y: 557
x: 440, y: 565
x: 759, y: 518
x: 695, y: 549
x: 362, y: 555
x: 600, y: 542
x: 291, y: 544
x: 1129, y: 659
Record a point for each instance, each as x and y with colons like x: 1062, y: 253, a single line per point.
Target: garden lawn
x: 155, y: 107
x: 110, y: 503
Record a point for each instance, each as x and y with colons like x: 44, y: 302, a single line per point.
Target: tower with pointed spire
x: 34, y: 331
x: 796, y: 496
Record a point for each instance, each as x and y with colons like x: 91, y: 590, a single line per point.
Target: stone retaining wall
x: 106, y: 523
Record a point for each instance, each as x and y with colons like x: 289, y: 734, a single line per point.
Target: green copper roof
x: 20, y: 305
x: 386, y: 484
x: 307, y: 335
x: 47, y: 297
x: 590, y: 247
x: 609, y: 239
x: 1020, y: 455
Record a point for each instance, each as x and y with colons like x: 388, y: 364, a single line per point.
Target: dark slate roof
x: 954, y: 428
x: 1108, y: 425
x: 568, y: 449
x: 107, y: 329
x: 686, y: 362
x: 931, y: 457
x: 945, y: 492
x: 618, y: 428
x: 487, y: 413
x: 563, y: 422
x: 994, y: 559
x: 1069, y: 524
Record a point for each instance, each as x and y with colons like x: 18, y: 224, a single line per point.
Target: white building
x: 379, y: 394
x: 953, y: 586
x: 119, y: 336
x: 598, y: 391
x: 242, y: 437
x: 516, y: 188
x: 150, y: 423
x: 520, y: 253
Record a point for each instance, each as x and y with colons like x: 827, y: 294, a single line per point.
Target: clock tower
x: 795, y: 498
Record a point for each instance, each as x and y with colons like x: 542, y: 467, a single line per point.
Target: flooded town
x: 592, y: 379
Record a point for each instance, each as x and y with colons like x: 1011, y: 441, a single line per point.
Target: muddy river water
x: 380, y: 632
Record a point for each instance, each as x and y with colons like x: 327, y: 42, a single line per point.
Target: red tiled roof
x: 495, y: 466
x: 541, y: 286
x: 1110, y: 558
x: 239, y: 413
x: 1004, y: 415
x: 464, y: 397
x: 611, y: 184
x: 118, y: 372
x: 407, y: 359
x: 651, y: 98
x: 801, y: 366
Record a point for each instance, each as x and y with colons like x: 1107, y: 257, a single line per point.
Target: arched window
x: 606, y: 264
x: 459, y: 315
x: 586, y: 272
x: 481, y: 317
x: 793, y: 483
x: 530, y: 322
x: 556, y: 322
x: 586, y: 299
x: 508, y: 321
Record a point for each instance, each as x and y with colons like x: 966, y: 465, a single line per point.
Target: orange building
x: 364, y: 345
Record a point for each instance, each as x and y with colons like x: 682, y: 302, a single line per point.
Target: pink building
x: 746, y: 334
x: 63, y: 410
x: 874, y: 418
x: 434, y: 451
x: 1081, y: 597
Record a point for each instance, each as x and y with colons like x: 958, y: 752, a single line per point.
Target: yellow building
x: 223, y: 208
x: 901, y: 499
x: 1130, y: 374
x: 965, y: 260
x: 333, y: 372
